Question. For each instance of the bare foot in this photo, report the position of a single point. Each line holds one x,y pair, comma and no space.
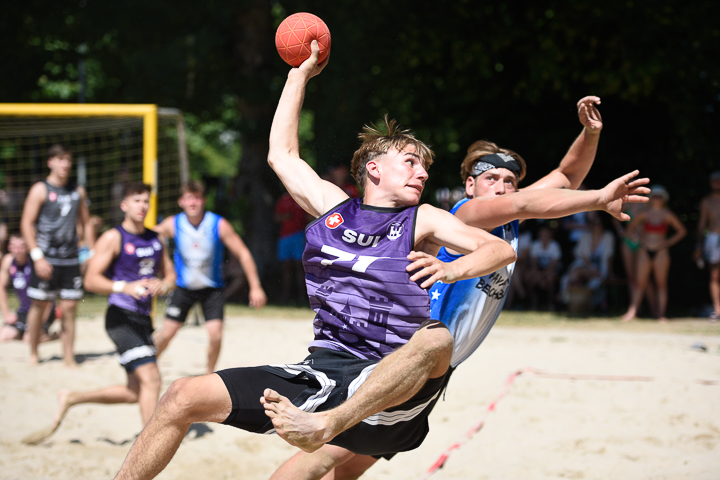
307,431
34,360
629,315
663,320
63,397
71,364
44,337
44,433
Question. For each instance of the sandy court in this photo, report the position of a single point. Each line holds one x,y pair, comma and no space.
663,427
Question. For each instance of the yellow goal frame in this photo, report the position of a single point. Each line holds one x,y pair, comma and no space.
148,112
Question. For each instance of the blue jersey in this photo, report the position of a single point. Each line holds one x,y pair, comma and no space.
199,252
470,307
140,257
355,260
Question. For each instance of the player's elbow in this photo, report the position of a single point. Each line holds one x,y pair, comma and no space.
89,283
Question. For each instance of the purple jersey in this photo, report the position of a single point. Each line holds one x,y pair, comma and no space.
20,276
355,261
139,258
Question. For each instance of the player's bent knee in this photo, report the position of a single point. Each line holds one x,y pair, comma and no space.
177,400
434,336
197,399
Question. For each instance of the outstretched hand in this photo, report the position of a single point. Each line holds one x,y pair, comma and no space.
624,190
310,67
589,114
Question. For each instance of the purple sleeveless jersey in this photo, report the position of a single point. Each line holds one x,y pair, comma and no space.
139,258
20,276
355,261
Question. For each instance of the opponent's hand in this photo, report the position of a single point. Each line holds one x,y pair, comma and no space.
138,289
624,190
258,299
589,114
43,269
310,67
427,265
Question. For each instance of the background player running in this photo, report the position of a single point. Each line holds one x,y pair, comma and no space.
370,294
53,210
200,239
15,270
132,266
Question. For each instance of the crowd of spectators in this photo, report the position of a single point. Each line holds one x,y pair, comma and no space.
569,264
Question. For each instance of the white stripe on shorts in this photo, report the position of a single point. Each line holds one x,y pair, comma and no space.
138,352
68,294
37,294
386,418
313,402
357,383
391,418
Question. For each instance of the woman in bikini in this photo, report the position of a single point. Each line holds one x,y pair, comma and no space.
654,253
629,251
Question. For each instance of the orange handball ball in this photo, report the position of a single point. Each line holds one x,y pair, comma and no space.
296,33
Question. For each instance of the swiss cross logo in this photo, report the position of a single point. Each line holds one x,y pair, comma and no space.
334,221
129,248
13,270
52,196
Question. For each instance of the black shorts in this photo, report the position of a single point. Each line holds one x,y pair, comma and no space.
132,335
323,381
21,324
182,299
66,283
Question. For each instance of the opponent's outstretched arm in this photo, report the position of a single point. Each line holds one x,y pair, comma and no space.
554,203
315,195
576,164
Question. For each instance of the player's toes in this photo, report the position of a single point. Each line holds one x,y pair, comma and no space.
271,395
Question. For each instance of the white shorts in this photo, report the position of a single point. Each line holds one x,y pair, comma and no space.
712,248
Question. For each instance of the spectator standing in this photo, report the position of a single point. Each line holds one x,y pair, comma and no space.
654,252
290,245
629,246
708,251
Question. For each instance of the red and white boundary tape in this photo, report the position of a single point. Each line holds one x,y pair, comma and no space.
440,462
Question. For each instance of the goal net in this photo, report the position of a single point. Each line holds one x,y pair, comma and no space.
111,145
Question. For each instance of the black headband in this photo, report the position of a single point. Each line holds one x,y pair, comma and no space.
495,160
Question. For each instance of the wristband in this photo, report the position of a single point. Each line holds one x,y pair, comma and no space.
118,286
36,254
